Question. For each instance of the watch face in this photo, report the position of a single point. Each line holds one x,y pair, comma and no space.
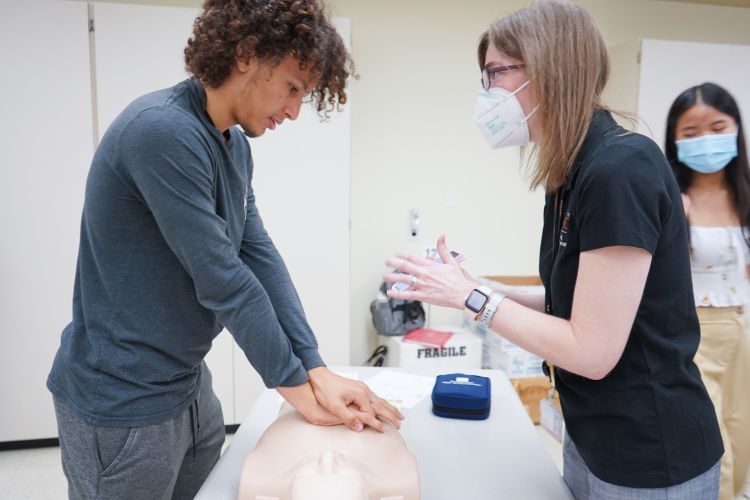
476,301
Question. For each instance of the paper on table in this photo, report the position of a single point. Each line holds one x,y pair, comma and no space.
403,388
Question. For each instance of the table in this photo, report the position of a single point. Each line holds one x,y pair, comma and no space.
498,458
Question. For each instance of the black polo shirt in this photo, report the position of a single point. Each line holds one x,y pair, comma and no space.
649,423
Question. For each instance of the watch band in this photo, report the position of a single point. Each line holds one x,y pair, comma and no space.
485,290
485,318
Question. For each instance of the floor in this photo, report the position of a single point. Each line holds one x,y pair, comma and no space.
37,474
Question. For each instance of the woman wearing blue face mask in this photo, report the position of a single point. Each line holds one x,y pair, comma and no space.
616,322
705,145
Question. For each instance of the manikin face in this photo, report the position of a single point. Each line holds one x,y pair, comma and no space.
702,119
264,95
510,81
330,476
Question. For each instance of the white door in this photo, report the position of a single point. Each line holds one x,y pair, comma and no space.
46,143
139,49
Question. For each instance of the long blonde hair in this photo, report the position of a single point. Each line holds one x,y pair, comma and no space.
567,62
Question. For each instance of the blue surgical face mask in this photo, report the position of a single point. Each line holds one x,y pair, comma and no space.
708,153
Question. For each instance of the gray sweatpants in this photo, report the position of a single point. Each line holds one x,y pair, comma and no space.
162,461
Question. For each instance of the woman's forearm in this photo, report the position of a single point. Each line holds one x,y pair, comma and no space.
549,337
534,301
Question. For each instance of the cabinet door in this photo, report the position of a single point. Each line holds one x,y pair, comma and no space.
45,150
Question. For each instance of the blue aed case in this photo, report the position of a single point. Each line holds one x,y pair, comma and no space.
456,395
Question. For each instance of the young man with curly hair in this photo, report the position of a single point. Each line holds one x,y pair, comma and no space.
173,249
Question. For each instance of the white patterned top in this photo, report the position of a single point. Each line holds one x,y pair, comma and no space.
718,256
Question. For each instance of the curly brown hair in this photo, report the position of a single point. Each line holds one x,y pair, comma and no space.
269,30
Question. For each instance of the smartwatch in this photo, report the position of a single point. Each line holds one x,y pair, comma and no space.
477,299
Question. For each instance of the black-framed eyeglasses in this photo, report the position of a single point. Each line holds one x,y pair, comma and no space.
490,73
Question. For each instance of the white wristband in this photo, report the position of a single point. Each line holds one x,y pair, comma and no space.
485,319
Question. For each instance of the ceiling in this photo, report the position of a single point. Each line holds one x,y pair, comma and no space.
726,3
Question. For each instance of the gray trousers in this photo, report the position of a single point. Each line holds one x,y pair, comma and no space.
585,486
165,461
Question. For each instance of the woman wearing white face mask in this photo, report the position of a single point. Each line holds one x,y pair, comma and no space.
616,322
706,148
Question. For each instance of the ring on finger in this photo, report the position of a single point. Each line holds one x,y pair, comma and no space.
413,282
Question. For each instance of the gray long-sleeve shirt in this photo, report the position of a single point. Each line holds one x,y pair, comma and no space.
172,248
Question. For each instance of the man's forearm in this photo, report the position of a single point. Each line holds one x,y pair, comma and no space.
261,256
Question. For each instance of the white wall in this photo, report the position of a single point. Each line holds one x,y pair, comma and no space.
414,144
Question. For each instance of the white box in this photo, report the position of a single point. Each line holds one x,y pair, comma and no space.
462,351
515,364
502,354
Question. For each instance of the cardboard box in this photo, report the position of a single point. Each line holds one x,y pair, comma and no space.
516,280
462,351
531,391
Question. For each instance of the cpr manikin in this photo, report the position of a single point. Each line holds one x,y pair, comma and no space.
295,460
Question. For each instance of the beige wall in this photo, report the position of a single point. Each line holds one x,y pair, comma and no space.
415,146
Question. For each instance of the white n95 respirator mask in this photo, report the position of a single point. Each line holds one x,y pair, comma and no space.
500,118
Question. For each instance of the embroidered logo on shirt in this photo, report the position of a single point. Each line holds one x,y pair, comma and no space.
564,230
